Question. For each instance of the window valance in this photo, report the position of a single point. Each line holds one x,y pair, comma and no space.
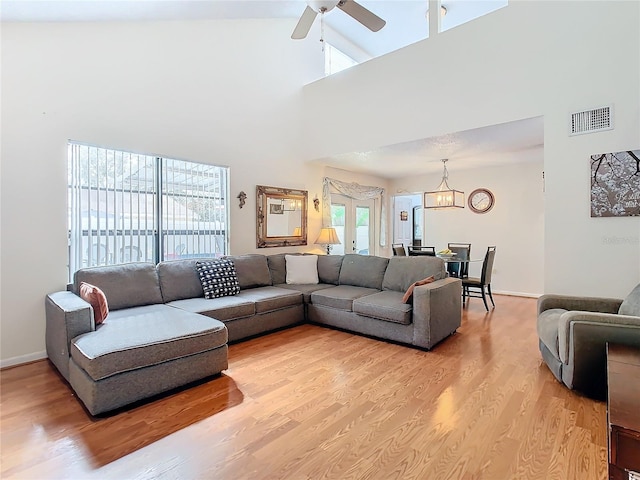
358,192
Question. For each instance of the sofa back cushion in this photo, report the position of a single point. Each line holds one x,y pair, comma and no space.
403,271
631,304
126,285
179,279
363,270
329,268
277,268
252,270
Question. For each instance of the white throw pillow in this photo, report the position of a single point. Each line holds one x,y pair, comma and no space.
301,269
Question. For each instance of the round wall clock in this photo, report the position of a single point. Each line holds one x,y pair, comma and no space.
481,200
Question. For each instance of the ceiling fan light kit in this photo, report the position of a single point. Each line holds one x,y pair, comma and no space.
444,196
350,7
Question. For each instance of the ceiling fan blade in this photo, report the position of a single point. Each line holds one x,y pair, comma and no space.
362,15
304,24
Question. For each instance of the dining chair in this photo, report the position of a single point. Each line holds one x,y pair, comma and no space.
483,283
463,252
428,251
398,249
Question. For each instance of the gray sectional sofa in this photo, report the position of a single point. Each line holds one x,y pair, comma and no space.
161,333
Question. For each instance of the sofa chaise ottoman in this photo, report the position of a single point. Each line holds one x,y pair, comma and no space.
145,347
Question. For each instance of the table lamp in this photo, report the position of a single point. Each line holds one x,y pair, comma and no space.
328,237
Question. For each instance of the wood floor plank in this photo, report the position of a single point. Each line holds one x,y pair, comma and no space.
317,403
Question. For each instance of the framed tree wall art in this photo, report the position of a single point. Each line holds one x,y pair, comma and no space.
615,184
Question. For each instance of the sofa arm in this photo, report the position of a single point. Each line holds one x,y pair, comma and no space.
586,366
584,304
437,311
67,316
567,320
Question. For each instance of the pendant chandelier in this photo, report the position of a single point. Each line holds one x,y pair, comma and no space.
444,196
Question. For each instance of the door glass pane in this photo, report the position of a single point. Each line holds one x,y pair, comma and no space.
417,226
362,231
338,213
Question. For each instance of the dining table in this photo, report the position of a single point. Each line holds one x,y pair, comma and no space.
453,258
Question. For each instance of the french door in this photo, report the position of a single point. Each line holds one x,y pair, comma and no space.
354,223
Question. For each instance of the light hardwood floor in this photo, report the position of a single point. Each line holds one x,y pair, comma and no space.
315,403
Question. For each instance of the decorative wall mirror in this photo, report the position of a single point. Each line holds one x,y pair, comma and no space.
281,217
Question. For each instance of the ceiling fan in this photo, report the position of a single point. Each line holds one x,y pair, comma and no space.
350,7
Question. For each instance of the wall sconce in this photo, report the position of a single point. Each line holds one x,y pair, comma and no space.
404,216
242,197
316,203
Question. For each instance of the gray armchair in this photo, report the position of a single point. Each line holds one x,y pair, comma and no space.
573,333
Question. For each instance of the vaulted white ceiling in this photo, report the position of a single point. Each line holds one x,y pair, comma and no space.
406,21
406,24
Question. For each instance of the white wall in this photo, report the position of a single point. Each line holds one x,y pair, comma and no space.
229,93
220,92
529,59
515,225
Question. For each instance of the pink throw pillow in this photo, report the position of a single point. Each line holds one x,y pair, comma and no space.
96,298
409,293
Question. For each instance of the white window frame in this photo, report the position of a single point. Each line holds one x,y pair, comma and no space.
125,207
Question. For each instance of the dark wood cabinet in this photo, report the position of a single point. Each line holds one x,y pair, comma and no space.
623,411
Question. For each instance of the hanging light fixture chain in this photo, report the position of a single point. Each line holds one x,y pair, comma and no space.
322,10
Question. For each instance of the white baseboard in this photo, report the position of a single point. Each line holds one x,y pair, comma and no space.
31,357
517,294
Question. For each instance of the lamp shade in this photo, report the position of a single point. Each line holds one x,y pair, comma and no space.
328,236
297,232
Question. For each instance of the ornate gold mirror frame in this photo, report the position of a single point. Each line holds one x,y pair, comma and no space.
281,217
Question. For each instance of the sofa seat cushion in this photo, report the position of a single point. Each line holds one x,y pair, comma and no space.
386,305
547,325
143,336
221,308
341,296
306,289
268,299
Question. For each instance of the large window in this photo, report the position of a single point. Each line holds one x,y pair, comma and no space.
126,207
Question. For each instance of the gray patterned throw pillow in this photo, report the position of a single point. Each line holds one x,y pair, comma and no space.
218,278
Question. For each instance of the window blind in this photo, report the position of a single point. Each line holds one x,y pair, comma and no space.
127,207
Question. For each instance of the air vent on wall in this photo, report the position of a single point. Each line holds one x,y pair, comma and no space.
589,121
